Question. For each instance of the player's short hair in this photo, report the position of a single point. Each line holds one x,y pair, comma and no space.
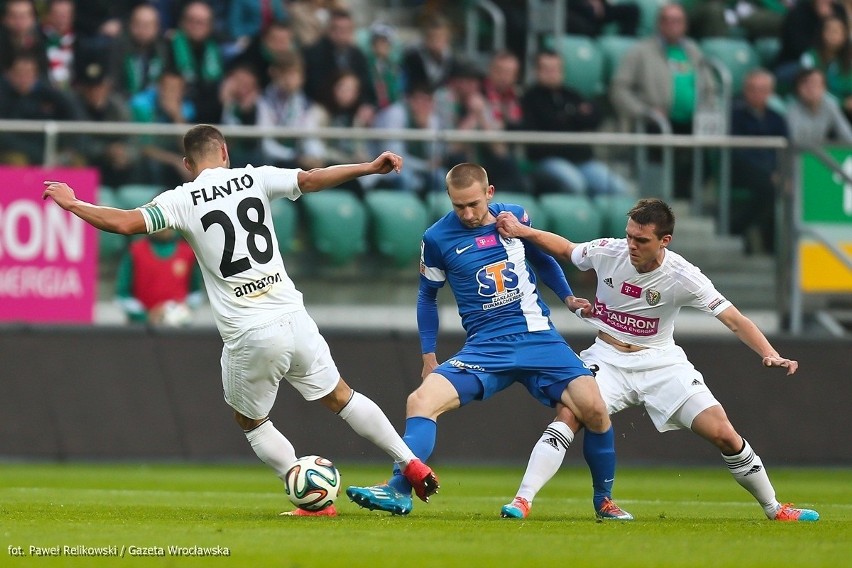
465,175
200,141
654,212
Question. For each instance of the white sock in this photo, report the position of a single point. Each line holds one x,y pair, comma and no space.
748,470
367,419
272,448
545,459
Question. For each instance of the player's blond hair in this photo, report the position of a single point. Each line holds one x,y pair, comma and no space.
464,175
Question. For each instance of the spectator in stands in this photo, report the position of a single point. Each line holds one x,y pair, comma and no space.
158,280
335,52
430,62
93,99
239,96
463,106
755,170
140,54
814,117
57,26
267,48
101,20
548,105
385,70
424,169
588,17
24,95
19,34
501,89
250,18
833,56
284,103
664,77
723,18
168,102
310,19
342,109
800,31
195,55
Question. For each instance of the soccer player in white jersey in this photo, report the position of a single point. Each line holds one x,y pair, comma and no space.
510,338
641,286
224,215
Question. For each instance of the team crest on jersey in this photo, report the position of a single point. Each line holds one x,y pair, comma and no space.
652,297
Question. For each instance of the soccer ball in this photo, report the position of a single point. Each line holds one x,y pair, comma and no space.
312,483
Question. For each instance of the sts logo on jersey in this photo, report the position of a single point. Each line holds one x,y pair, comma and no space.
500,282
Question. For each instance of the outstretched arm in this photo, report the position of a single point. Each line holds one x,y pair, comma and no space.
119,221
551,243
332,176
427,326
751,335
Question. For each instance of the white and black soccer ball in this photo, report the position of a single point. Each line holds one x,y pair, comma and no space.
313,483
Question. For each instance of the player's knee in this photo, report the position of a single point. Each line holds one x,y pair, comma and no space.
596,418
247,423
724,437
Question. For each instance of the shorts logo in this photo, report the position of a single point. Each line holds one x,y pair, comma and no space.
631,290
462,365
652,297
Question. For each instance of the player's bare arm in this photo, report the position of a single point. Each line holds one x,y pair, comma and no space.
430,362
748,332
555,245
321,178
109,219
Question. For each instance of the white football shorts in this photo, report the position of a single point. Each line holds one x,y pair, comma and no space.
289,347
662,380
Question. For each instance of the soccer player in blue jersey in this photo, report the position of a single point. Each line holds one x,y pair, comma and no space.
510,338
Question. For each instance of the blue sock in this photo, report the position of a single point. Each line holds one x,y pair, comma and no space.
420,436
599,451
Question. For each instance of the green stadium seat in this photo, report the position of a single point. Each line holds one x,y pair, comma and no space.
525,200
110,245
337,223
438,203
583,63
397,220
613,49
737,55
285,219
767,49
574,217
614,210
133,195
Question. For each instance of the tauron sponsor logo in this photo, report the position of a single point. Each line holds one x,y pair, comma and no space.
258,285
628,323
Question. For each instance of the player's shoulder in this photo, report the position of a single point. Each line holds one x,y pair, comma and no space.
513,208
604,247
683,270
441,227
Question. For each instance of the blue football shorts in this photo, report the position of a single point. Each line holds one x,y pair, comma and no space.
541,361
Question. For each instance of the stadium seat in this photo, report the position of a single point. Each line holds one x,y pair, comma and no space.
613,49
438,203
337,222
583,63
737,55
528,202
133,195
574,217
397,222
110,245
767,49
285,219
613,209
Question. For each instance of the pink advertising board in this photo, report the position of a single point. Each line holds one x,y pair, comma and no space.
48,257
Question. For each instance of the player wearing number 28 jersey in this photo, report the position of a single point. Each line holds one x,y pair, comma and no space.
224,215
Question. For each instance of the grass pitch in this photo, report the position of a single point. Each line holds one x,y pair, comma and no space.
685,517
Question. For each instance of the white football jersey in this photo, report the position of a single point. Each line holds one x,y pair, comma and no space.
640,308
225,217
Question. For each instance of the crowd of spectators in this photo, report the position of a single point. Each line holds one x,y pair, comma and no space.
305,64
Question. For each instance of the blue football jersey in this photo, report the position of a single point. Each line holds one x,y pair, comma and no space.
495,288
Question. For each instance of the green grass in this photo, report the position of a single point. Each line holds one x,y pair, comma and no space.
685,517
